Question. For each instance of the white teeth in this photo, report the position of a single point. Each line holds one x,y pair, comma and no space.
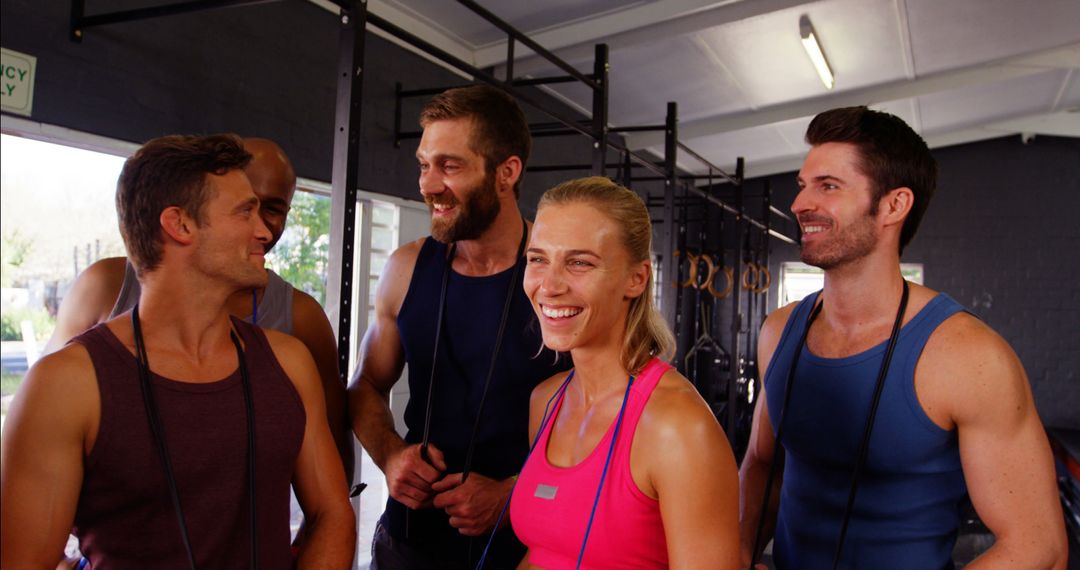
813,229
559,313
442,207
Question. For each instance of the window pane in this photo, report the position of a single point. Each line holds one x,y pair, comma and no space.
383,234
384,215
301,256
797,280
382,239
58,216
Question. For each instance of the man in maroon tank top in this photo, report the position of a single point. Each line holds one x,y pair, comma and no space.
169,437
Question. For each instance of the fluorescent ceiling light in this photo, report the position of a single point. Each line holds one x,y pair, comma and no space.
813,49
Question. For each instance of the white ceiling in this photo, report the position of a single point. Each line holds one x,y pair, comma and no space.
956,70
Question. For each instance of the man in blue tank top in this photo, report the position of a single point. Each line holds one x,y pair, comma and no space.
955,413
440,306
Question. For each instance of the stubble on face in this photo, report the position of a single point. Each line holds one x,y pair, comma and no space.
845,246
476,212
218,260
226,245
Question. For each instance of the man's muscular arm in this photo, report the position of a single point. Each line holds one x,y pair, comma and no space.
89,301
46,434
974,374
319,481
754,470
313,329
382,358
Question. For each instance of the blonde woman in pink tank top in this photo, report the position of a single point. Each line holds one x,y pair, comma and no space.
630,468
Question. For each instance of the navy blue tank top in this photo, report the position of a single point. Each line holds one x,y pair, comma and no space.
906,512
474,306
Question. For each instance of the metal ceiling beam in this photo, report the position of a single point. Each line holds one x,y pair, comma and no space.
1009,68
1063,124
643,24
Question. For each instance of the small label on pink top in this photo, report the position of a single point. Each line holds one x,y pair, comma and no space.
546,491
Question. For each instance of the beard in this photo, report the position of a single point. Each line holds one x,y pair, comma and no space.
845,246
475,213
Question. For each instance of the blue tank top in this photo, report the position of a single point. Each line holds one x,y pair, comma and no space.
474,306
906,513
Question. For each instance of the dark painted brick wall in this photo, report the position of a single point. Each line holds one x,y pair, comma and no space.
266,70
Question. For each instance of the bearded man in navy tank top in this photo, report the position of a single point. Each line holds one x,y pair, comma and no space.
461,286
955,413
168,437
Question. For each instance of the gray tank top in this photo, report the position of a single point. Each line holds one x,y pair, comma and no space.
274,311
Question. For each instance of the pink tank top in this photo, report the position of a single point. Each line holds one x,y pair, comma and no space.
550,506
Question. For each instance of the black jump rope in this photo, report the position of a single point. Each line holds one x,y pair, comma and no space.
467,467
864,445
440,317
157,429
603,473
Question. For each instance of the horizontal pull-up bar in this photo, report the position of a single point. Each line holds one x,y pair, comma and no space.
732,210
516,83
782,237
637,129
530,43
637,157
424,92
739,215
555,133
712,167
781,213
563,167
534,127
547,80
80,21
475,72
407,135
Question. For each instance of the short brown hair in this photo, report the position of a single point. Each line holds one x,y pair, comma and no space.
892,156
647,334
165,172
500,130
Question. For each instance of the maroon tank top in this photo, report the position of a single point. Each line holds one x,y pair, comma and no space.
125,518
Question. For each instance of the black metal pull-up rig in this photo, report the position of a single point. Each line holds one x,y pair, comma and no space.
353,19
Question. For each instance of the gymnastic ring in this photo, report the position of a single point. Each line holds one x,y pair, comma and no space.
730,274
692,278
755,282
751,284
711,271
765,279
749,276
